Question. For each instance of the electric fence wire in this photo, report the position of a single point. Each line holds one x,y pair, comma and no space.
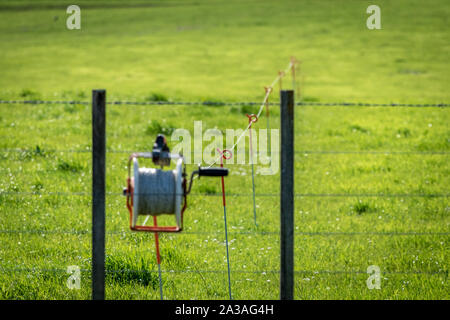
263,104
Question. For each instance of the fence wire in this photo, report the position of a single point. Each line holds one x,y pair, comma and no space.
256,272
301,152
231,194
239,233
231,104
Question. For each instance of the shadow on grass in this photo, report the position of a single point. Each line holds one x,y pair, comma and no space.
125,270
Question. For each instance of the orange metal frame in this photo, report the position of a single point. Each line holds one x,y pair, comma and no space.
155,227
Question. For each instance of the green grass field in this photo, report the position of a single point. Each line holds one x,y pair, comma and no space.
227,51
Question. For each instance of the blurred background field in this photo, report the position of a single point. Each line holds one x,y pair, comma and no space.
226,49
371,182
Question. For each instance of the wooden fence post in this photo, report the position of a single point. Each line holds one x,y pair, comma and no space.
98,193
287,195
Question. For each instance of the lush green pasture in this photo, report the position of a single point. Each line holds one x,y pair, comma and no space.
365,207
227,49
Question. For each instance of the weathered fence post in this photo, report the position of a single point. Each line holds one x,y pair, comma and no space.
98,194
287,195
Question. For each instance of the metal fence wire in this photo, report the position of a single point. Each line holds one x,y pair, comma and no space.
229,104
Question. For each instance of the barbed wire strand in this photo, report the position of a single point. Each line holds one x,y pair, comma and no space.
260,272
303,152
216,194
234,233
231,104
